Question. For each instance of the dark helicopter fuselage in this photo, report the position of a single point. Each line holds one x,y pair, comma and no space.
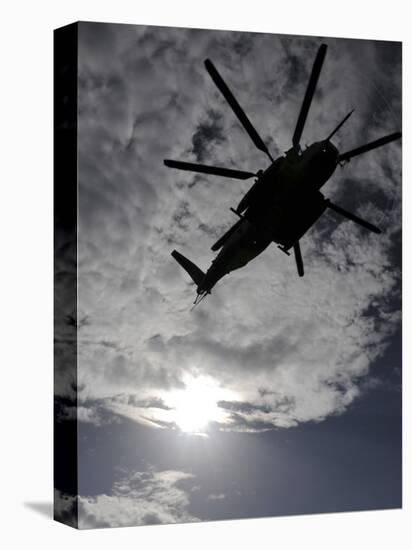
280,207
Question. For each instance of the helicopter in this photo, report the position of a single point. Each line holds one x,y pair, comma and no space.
284,201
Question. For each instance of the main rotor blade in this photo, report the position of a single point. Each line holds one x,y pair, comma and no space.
298,258
339,126
372,145
202,168
310,90
352,217
237,109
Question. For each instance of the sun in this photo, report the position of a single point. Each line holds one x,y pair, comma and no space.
196,406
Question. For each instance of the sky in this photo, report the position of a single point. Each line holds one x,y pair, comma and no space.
277,395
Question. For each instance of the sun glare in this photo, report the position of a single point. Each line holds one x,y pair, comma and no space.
197,405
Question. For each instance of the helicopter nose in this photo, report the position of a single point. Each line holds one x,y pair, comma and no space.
330,150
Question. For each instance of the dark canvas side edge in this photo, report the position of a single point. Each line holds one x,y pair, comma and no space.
65,67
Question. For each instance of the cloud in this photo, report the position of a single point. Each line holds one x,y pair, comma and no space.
291,350
65,508
89,415
207,133
219,496
139,498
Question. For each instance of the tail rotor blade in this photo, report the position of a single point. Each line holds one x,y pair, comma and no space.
369,146
352,217
237,109
298,258
310,90
203,169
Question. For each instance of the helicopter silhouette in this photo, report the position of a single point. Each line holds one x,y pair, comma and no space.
285,199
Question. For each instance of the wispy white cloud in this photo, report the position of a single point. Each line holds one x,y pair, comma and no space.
139,498
217,496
